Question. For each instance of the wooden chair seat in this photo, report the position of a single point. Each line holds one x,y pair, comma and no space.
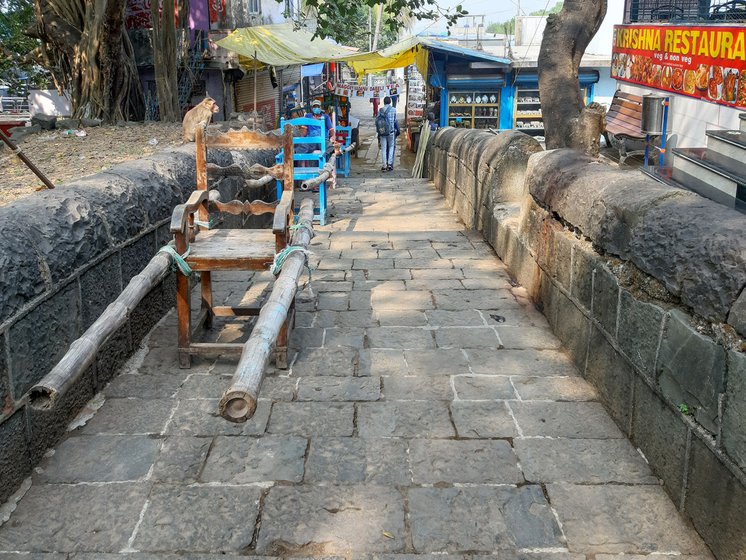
232,249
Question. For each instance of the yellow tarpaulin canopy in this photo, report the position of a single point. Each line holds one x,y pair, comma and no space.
415,50
402,54
280,45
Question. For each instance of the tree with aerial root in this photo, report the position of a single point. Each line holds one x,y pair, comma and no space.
568,123
85,47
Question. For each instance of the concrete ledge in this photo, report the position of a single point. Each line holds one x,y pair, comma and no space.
644,286
68,253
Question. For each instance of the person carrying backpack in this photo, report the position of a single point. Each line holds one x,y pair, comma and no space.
387,128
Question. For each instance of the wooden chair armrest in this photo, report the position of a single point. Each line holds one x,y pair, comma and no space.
180,215
282,212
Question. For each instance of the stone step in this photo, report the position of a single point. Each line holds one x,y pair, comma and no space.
714,163
728,146
688,174
682,180
742,116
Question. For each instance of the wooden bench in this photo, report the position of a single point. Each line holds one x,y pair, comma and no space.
623,125
205,250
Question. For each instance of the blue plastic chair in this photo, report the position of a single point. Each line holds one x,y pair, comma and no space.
343,162
317,159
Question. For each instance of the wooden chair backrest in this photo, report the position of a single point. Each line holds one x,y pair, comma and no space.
243,139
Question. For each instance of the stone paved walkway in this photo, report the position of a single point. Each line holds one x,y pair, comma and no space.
429,410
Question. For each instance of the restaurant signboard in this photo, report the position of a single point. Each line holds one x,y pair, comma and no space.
706,62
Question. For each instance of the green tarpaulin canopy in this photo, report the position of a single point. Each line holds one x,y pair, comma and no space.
280,45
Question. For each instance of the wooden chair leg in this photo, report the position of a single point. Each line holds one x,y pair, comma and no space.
183,311
206,287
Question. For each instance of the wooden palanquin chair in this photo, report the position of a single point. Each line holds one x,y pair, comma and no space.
205,250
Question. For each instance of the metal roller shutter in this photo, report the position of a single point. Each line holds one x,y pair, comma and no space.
266,95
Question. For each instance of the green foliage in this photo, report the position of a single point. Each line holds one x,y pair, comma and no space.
502,27
353,29
16,17
508,27
553,10
343,20
685,409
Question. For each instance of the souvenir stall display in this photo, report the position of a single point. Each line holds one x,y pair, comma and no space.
415,105
474,109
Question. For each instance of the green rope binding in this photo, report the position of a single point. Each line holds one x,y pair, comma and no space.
208,225
283,255
178,261
303,225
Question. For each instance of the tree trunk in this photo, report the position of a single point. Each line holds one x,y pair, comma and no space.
567,122
164,59
85,47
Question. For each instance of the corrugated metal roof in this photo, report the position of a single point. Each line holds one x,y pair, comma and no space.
463,51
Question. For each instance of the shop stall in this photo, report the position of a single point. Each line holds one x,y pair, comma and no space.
525,99
469,86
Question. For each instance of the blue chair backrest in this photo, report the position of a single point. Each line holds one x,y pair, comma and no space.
316,133
347,136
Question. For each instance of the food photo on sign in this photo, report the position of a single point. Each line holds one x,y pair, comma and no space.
701,62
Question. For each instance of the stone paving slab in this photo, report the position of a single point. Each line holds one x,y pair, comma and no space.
589,461
481,519
69,518
381,461
483,420
428,412
339,389
634,519
312,419
199,519
181,459
321,520
243,460
123,416
404,419
100,458
483,387
452,462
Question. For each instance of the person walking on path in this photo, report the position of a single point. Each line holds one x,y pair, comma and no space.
387,129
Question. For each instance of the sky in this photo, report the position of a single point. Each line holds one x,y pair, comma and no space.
493,10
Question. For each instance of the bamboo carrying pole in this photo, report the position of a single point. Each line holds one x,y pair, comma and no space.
13,146
239,400
82,352
250,183
325,173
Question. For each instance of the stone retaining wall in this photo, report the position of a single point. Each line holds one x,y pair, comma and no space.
644,285
65,255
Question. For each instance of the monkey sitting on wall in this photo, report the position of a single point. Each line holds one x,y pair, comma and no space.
197,117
